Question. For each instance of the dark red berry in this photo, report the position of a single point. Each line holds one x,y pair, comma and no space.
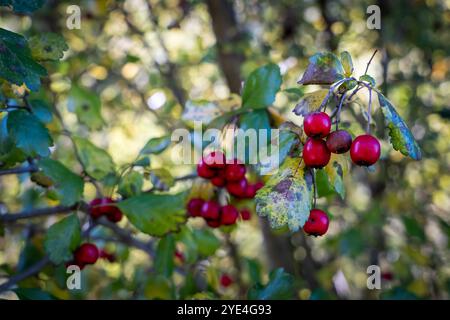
210,210
250,191
215,159
388,276
204,171
228,215
339,141
179,256
213,223
235,172
225,280
246,214
218,181
317,223
259,185
237,188
74,263
194,207
316,153
107,256
100,206
317,124
114,215
87,253
365,150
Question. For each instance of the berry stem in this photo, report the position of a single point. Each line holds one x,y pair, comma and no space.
370,61
315,187
338,114
369,110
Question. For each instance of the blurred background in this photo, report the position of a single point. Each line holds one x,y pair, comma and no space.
138,63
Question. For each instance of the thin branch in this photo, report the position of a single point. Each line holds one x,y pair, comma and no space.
40,212
19,170
370,61
369,110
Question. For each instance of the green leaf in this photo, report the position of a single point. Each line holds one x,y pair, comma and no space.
98,162
131,184
41,110
48,46
207,242
86,105
161,179
324,188
347,63
28,133
298,92
33,294
310,102
164,261
261,87
156,145
279,287
335,174
23,6
28,257
286,197
9,153
369,79
62,239
254,120
323,68
158,287
16,64
142,162
68,185
155,214
401,138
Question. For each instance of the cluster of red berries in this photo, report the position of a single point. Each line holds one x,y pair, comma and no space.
214,214
87,254
228,175
364,150
103,207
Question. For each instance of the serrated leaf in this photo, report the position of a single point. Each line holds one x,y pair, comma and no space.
261,87
161,179
286,197
401,138
310,102
131,184
155,214
16,64
67,184
23,6
9,153
207,242
347,63
86,105
323,68
62,239
165,251
279,287
97,162
156,145
335,173
28,133
369,79
41,110
48,46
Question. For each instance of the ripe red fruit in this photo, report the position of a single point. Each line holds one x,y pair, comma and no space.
213,223
74,263
250,191
204,171
114,215
225,280
179,256
259,185
235,172
237,188
317,124
317,223
339,141
228,215
245,214
100,206
215,159
87,253
194,207
107,256
316,153
365,150
210,210
219,179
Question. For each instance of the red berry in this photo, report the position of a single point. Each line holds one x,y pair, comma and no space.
339,141
204,171
365,150
250,191
317,124
179,256
388,276
107,256
87,253
316,153
219,180
317,224
235,172
225,280
210,210
100,206
194,207
237,188
228,215
245,214
213,223
215,159
114,215
259,185
74,263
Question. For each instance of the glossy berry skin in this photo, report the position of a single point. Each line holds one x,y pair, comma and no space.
215,159
237,188
259,185
213,223
317,124
317,223
228,215
316,153
219,180
235,172
225,280
245,214
250,191
194,207
365,150
210,210
100,206
339,141
204,171
114,215
87,253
